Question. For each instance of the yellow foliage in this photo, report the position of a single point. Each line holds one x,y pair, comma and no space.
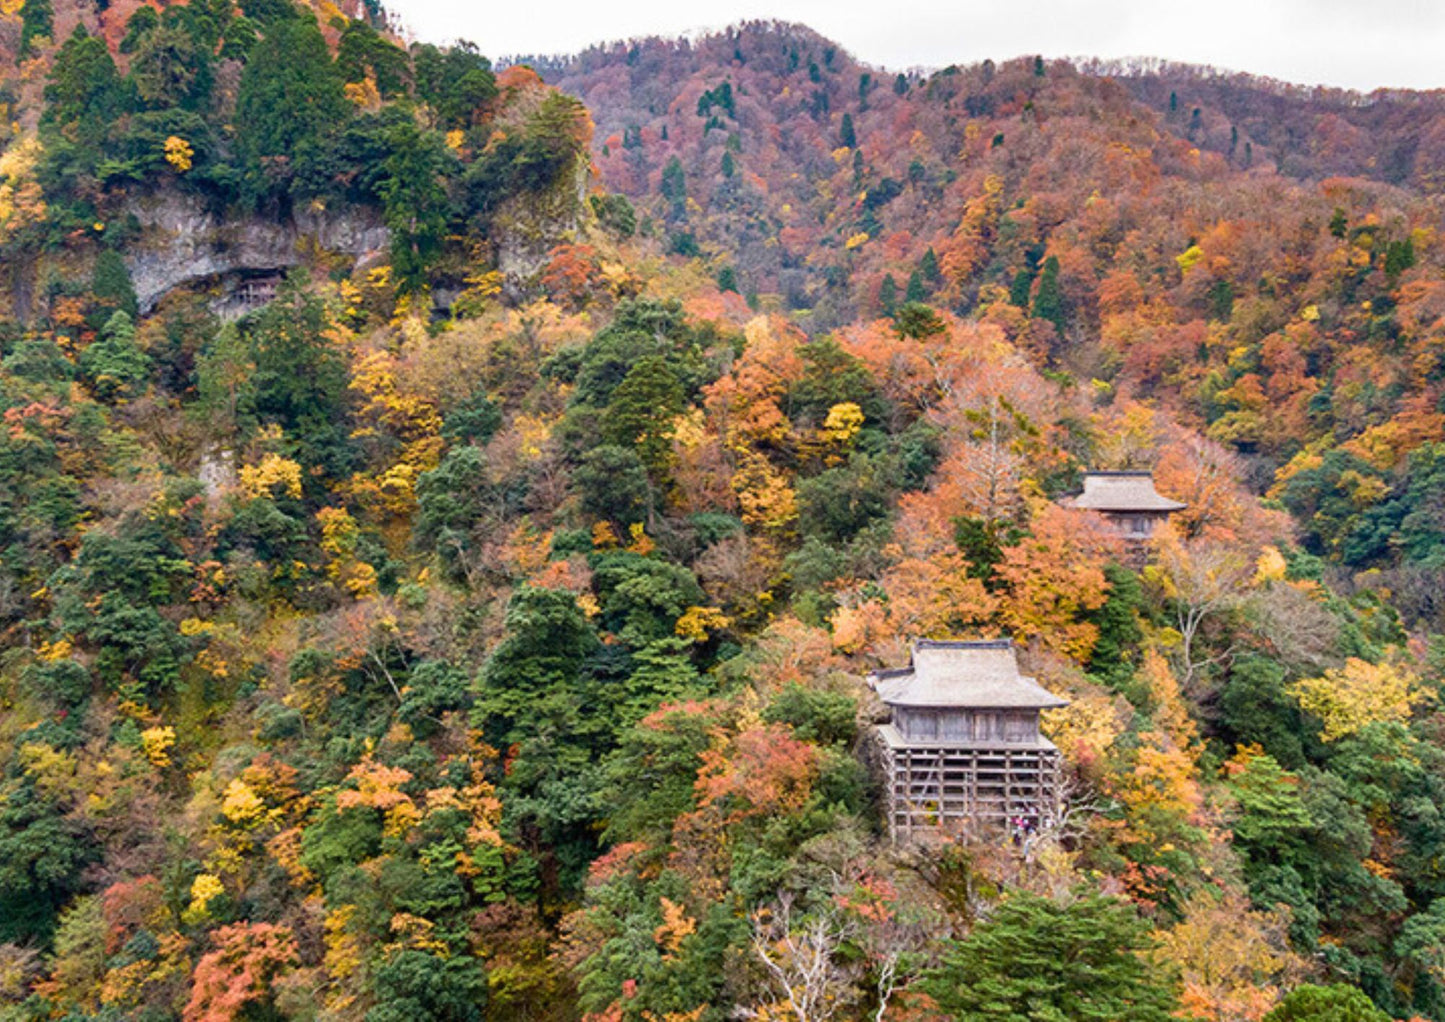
241,805
52,769
1189,257
206,888
1170,713
676,926
60,649
1352,697
1270,566
1085,728
262,479
697,622
689,430
640,543
763,493
364,94
344,950
156,743
843,422
861,238
339,535
179,154
1232,960
21,200
532,433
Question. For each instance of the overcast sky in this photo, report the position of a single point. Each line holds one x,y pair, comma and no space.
1354,43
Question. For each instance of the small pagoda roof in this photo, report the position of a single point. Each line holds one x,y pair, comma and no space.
979,675
1122,492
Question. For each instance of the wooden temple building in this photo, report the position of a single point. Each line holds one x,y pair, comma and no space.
1128,501
963,746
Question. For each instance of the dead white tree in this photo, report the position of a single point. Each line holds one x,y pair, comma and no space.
1203,580
802,960
1064,821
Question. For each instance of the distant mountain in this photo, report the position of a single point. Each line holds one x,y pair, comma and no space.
770,149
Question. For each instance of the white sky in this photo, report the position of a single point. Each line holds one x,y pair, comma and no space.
1354,43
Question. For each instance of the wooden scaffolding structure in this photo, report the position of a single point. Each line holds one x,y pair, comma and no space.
931,785
963,747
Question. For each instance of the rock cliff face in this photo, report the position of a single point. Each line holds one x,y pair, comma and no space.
525,228
184,242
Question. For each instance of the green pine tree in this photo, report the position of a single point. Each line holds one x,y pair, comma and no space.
1339,223
929,265
290,94
888,295
1049,298
674,189
37,21
1037,961
642,411
915,291
114,365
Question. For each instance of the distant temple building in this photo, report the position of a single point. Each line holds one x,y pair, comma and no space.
963,745
1127,500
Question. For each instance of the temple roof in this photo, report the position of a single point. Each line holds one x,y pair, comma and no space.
1122,491
981,675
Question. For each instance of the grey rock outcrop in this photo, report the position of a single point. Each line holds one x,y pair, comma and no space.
184,242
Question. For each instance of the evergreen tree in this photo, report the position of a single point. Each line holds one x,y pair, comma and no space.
37,21
1036,961
1399,257
415,201
888,295
1339,223
363,51
900,85
301,378
728,169
918,321
85,95
453,82
1020,288
114,365
929,265
170,70
1334,1003
290,96
915,291
674,189
1049,298
111,284
641,412
141,23
846,135
1221,300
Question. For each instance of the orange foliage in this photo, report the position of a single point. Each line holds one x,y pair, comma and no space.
1055,575
241,970
761,771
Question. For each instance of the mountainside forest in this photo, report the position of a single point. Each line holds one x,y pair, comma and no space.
448,513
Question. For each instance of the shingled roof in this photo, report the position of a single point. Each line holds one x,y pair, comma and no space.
1122,491
963,674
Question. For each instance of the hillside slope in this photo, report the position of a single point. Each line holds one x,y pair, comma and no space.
436,587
